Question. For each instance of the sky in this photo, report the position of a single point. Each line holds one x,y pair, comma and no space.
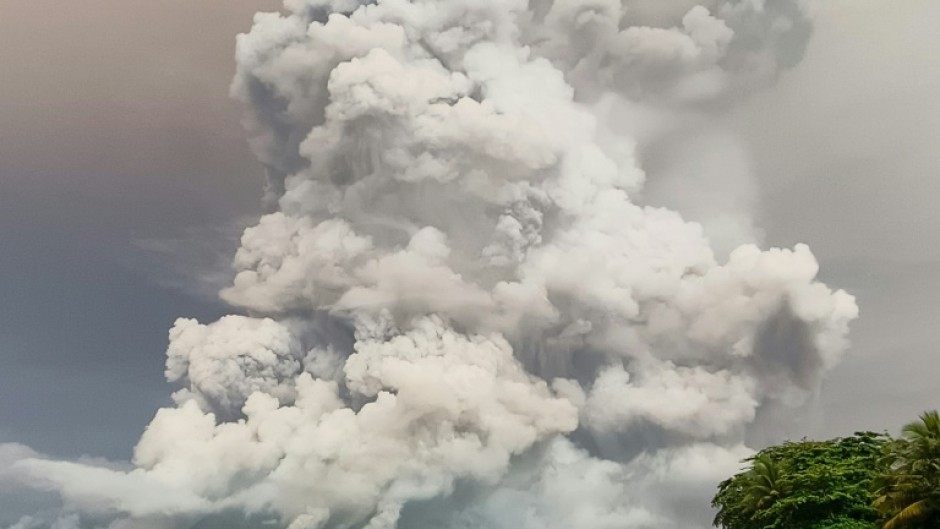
117,129
125,173
854,173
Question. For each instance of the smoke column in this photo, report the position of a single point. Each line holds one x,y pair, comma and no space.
508,277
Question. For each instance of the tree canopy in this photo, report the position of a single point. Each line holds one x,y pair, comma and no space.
866,481
805,485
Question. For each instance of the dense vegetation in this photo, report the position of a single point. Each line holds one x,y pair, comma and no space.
866,481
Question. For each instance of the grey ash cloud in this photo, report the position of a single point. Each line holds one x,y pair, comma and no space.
486,290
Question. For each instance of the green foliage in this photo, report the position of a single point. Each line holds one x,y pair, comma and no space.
805,485
908,489
845,523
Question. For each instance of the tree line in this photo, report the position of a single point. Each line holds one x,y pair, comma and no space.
865,481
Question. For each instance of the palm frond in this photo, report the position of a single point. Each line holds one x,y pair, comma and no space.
911,514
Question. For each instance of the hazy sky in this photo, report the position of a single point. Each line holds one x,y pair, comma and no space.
115,127
119,148
847,153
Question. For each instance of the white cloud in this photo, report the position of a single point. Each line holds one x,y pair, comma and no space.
454,196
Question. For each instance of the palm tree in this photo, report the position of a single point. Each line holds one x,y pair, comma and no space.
908,493
763,484
743,500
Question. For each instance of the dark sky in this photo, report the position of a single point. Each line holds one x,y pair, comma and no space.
122,160
115,130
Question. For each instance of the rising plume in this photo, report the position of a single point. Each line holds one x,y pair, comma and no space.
492,288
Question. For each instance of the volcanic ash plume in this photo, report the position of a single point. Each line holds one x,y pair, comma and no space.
462,309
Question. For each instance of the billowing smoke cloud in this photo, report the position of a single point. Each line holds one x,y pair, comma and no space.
461,309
